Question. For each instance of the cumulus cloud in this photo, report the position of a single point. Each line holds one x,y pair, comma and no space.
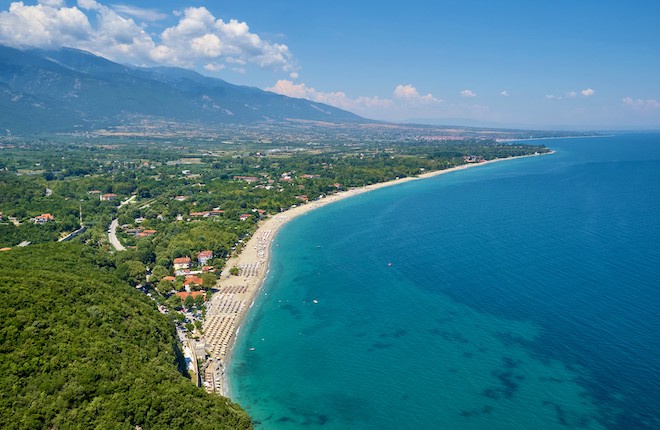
641,105
504,93
572,94
139,13
199,39
52,3
405,105
45,25
338,99
410,94
468,93
406,98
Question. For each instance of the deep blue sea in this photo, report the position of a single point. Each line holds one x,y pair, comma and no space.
523,294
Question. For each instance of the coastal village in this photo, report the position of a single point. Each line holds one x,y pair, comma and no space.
209,254
207,346
212,305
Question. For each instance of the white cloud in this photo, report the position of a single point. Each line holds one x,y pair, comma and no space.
197,40
584,93
406,97
406,103
410,94
52,3
338,99
42,25
468,93
212,67
641,105
288,88
139,13
504,93
572,94
588,92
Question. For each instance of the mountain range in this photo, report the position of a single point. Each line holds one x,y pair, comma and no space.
69,89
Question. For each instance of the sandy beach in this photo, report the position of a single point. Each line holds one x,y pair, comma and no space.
236,293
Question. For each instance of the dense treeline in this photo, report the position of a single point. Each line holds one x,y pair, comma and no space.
170,184
82,349
166,198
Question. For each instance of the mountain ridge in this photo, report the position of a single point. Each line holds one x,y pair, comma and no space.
69,89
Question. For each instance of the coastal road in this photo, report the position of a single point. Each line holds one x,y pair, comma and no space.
112,236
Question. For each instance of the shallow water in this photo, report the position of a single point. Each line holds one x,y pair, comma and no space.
516,295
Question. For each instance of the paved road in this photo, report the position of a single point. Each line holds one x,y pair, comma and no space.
112,236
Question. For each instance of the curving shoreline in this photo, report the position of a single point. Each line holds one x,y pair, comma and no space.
227,309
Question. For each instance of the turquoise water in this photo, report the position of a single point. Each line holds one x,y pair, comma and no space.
517,295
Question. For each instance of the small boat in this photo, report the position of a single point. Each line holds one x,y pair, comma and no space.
315,301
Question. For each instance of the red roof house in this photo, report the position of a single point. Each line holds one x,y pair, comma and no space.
183,294
43,218
181,264
204,256
192,280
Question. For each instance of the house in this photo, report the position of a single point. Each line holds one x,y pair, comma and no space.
248,179
245,217
108,197
168,278
473,159
184,294
146,233
43,218
207,214
204,256
181,264
181,198
192,280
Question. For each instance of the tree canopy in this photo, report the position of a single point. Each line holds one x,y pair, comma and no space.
82,349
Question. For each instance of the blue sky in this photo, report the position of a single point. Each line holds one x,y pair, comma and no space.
561,64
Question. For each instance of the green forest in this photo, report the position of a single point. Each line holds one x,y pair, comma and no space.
81,349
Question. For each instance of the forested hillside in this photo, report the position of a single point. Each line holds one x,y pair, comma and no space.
82,349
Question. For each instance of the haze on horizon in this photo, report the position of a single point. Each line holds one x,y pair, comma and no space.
584,65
